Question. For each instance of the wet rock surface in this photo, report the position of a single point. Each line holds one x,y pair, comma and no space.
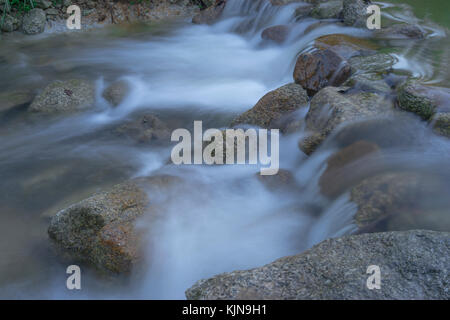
65,97
101,229
321,68
414,265
273,105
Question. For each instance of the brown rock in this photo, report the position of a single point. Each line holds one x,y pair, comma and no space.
276,34
319,69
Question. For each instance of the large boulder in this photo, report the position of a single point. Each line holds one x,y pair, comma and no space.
101,229
413,265
65,97
423,100
273,105
34,21
320,68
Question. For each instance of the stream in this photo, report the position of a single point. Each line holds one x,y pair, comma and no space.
183,72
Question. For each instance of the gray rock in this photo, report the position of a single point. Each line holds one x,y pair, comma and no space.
116,92
101,229
354,12
376,63
413,265
273,105
441,123
370,82
65,97
10,23
327,10
146,128
401,31
34,21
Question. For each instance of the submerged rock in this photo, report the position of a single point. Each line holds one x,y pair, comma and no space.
377,63
413,265
345,45
101,229
276,34
401,31
116,92
400,201
146,128
34,21
342,167
273,105
333,106
320,68
64,97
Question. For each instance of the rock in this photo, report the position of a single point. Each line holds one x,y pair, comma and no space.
284,179
369,82
12,99
327,10
310,143
354,12
303,11
423,100
331,107
34,21
276,34
389,197
43,4
401,31
101,229
320,68
345,45
273,105
441,123
209,15
413,265
52,12
146,128
377,63
65,97
343,166
116,92
10,23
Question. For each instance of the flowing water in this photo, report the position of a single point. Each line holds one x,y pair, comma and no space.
183,72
